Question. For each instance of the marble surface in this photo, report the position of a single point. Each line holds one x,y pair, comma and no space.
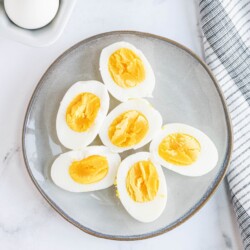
26,220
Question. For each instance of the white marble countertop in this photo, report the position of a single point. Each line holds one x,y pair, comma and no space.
26,220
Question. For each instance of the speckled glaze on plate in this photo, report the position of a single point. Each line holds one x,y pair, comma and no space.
185,91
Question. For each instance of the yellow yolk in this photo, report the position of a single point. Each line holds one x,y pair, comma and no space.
179,149
126,68
128,129
142,181
89,170
82,111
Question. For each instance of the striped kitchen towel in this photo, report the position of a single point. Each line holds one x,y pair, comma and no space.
226,37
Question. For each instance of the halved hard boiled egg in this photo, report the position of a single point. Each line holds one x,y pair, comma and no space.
141,187
126,72
81,114
184,149
90,169
130,125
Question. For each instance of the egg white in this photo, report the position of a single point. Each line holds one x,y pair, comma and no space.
60,169
153,116
144,89
145,211
208,156
78,140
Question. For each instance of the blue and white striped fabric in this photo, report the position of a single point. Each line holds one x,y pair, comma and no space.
226,36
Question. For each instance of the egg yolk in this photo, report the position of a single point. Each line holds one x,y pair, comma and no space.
179,149
142,181
128,129
126,68
82,111
89,170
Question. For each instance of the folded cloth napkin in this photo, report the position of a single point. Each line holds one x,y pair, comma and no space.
225,25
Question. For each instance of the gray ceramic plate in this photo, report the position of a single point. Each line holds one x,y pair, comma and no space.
185,92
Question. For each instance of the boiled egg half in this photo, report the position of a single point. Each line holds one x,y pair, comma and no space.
184,149
126,72
81,114
141,187
90,169
130,125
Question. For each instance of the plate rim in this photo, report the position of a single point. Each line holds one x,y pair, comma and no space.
195,208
